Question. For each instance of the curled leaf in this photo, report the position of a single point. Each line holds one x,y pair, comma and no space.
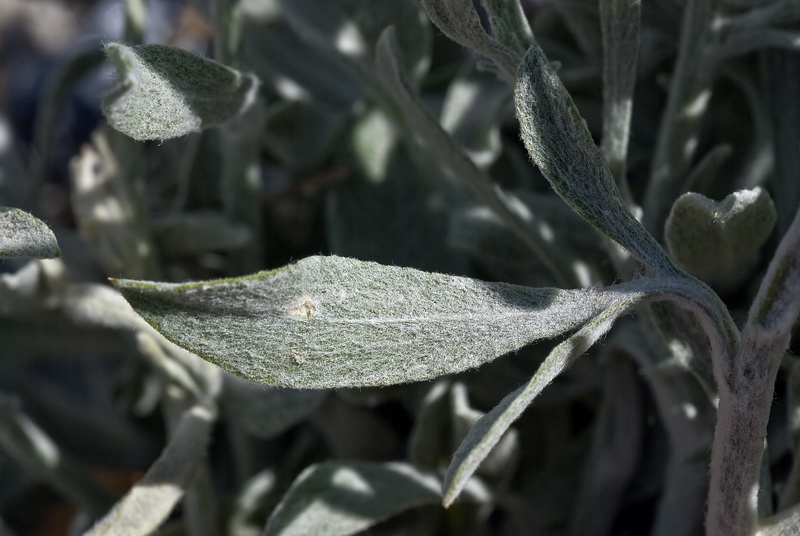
165,92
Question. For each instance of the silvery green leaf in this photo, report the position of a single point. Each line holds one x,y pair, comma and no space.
165,92
718,242
335,322
776,306
342,498
784,523
151,500
25,236
561,146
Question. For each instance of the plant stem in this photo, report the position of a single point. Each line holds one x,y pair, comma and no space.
736,463
746,394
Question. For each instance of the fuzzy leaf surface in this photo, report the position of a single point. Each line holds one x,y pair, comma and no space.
559,142
165,92
25,236
329,322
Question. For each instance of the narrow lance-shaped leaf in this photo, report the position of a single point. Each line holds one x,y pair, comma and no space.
24,236
165,92
330,322
338,498
561,146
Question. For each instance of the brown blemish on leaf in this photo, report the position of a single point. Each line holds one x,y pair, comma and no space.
307,309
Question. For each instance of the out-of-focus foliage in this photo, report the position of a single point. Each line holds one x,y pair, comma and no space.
448,181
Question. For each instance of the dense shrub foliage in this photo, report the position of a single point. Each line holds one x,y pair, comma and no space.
402,267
